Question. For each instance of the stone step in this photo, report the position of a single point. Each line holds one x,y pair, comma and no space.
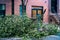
55,18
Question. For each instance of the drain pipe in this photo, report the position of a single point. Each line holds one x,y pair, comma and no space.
12,7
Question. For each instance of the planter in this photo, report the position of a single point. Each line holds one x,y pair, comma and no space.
10,38
18,39
58,34
51,37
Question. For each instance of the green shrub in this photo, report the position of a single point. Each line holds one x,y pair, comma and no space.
51,28
11,26
16,26
43,30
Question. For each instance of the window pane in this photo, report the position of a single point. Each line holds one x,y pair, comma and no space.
34,13
20,10
54,6
2,7
39,11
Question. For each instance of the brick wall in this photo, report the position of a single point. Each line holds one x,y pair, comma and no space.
43,3
8,6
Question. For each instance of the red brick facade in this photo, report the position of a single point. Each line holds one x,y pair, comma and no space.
45,3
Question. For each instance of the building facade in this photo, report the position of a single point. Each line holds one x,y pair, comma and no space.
33,7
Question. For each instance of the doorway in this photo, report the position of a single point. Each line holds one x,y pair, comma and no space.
37,10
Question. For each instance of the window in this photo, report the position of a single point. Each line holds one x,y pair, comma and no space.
22,9
34,13
54,6
2,9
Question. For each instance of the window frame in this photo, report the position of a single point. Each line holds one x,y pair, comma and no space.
4,9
